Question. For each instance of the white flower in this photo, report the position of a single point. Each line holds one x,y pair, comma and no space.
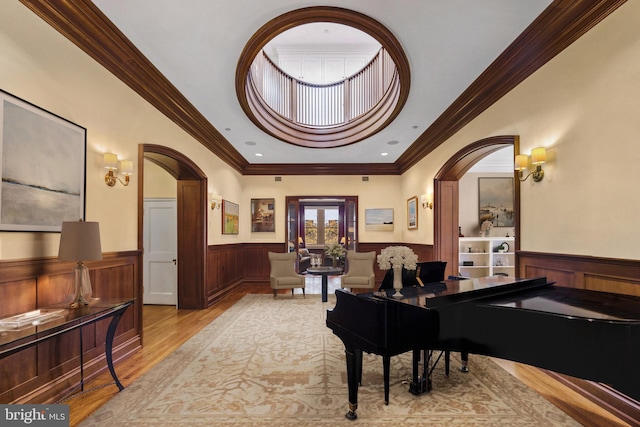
393,256
335,250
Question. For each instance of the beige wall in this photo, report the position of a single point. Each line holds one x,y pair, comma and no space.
41,66
582,106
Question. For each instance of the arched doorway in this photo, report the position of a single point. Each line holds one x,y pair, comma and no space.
445,185
192,220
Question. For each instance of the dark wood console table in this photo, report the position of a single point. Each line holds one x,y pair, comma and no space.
29,329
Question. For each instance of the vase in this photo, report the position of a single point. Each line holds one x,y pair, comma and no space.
397,281
336,262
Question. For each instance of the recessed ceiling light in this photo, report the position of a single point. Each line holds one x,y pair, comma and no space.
258,154
384,154
393,142
250,143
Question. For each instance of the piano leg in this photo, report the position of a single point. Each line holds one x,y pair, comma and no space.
386,367
464,357
447,362
420,384
354,376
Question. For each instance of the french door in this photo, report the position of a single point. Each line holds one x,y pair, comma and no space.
315,221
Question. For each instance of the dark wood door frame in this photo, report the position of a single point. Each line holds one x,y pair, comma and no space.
445,190
192,220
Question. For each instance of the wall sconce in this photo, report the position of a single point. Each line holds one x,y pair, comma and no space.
110,162
538,157
216,201
426,201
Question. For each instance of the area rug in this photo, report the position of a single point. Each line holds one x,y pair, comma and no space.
274,362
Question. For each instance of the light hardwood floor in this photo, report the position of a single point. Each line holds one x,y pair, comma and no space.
166,328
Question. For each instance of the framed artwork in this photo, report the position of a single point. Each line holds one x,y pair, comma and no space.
230,217
495,201
43,159
262,215
412,213
378,219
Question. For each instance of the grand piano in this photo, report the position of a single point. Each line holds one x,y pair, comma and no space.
586,334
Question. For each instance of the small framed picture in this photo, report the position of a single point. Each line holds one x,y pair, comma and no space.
262,215
378,219
412,213
495,201
230,217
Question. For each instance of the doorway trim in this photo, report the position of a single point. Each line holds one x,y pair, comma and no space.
192,220
446,196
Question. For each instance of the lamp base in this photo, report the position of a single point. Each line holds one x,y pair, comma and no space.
82,286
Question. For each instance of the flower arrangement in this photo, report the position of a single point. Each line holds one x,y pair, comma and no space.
335,250
486,227
397,256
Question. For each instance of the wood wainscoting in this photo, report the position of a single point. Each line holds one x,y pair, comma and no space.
597,274
583,272
50,370
230,265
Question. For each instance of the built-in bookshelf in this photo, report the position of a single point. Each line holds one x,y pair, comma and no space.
486,256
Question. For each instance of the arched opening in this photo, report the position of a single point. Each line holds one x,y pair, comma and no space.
191,219
446,195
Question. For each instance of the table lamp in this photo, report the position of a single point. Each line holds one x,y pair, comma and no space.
80,241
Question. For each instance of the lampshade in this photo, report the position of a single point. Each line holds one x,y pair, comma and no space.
80,241
521,162
538,156
126,167
110,161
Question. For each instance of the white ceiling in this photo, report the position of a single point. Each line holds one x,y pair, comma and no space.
196,44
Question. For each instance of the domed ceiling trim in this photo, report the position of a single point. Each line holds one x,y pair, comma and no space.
378,117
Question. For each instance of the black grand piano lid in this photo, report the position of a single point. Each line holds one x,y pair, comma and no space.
571,302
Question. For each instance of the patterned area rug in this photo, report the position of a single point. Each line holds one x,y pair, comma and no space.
268,362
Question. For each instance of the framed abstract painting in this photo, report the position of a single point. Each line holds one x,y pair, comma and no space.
230,217
42,168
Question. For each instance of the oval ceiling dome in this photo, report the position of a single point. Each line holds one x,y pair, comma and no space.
322,77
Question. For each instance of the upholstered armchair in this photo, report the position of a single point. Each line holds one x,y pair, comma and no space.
360,272
283,273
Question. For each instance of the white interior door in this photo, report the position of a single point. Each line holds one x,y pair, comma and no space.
160,248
